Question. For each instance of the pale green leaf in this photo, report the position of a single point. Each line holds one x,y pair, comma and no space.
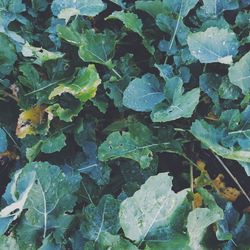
239,73
142,94
213,45
54,143
150,210
85,7
3,141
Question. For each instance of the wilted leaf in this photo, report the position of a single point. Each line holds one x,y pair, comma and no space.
83,87
29,120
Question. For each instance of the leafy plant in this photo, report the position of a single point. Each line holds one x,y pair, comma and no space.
109,111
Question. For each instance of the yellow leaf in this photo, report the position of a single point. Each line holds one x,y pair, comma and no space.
29,120
197,200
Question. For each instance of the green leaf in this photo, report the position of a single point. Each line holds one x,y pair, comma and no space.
50,197
152,209
203,217
177,242
123,145
178,104
101,218
153,8
132,22
69,34
3,141
83,87
114,242
215,8
41,55
85,7
213,45
142,94
212,138
180,7
239,73
7,55
8,242
54,143
98,47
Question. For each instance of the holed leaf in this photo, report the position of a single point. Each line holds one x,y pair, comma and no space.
152,209
83,87
101,218
178,104
213,45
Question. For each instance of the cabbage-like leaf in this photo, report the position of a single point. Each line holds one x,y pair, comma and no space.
178,105
213,45
98,47
7,55
152,210
46,197
42,55
83,87
215,8
54,143
239,73
200,218
85,7
212,138
132,22
101,218
142,94
8,242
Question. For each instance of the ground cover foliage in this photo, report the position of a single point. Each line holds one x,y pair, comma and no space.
114,116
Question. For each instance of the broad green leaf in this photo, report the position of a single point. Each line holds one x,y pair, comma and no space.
216,7
123,145
3,141
41,55
178,242
239,73
13,6
98,47
7,55
32,152
50,197
85,7
86,162
152,210
54,143
180,7
49,244
114,242
132,22
178,105
212,138
200,218
153,8
176,28
8,242
101,218
69,34
142,94
213,45
83,87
